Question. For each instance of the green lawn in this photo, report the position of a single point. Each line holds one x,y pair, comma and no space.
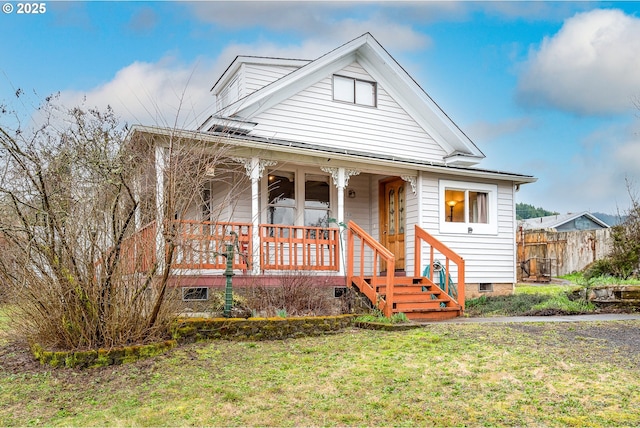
540,299
440,375
545,289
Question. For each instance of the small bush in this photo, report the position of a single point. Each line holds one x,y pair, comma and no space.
563,304
217,300
599,268
296,295
377,317
515,304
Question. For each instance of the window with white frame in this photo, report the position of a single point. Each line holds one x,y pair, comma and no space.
316,200
297,198
468,207
282,198
355,91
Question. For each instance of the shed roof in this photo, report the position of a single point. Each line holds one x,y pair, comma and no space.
557,220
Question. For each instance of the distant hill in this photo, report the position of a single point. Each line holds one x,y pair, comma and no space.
610,219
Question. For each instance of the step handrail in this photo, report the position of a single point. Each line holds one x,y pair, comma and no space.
379,251
451,256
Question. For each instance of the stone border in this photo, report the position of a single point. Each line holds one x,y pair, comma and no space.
275,328
371,325
101,357
192,329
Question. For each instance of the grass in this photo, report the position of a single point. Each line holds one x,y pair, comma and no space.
578,279
542,298
378,317
440,375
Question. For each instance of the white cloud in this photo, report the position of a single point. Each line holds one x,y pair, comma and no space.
164,93
316,20
593,178
591,66
485,132
170,92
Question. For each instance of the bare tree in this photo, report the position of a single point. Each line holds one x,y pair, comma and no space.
76,194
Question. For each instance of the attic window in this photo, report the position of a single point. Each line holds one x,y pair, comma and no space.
354,91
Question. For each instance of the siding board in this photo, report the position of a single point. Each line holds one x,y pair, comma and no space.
313,117
489,258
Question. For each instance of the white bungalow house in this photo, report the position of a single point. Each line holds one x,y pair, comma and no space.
356,176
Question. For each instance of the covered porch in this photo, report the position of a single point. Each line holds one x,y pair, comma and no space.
293,211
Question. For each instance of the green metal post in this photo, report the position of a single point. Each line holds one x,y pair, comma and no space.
228,290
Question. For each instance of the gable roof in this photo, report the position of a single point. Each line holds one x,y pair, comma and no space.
554,221
384,69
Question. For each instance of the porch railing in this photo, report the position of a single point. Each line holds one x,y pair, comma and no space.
299,247
138,251
450,258
202,243
374,255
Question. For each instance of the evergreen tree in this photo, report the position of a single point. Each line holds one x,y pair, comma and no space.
524,211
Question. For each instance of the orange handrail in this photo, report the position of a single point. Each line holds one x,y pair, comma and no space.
284,247
201,244
450,257
379,252
138,250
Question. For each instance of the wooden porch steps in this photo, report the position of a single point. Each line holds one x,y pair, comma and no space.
417,297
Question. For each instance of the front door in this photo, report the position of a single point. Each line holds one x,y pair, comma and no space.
392,218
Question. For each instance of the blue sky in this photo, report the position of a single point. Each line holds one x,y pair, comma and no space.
543,88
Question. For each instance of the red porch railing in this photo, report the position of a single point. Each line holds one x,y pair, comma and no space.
139,251
372,256
201,243
450,257
299,247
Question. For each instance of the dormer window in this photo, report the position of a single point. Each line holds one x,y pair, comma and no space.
354,91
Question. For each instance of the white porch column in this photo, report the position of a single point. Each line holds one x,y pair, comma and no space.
136,194
341,177
160,164
409,243
255,215
255,170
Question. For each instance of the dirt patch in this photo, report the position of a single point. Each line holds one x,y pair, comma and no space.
15,358
550,312
616,340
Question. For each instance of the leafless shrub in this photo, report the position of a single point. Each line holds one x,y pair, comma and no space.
297,294
73,260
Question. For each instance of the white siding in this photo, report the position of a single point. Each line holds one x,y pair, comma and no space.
488,258
232,92
258,76
230,205
358,208
410,230
248,79
312,116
